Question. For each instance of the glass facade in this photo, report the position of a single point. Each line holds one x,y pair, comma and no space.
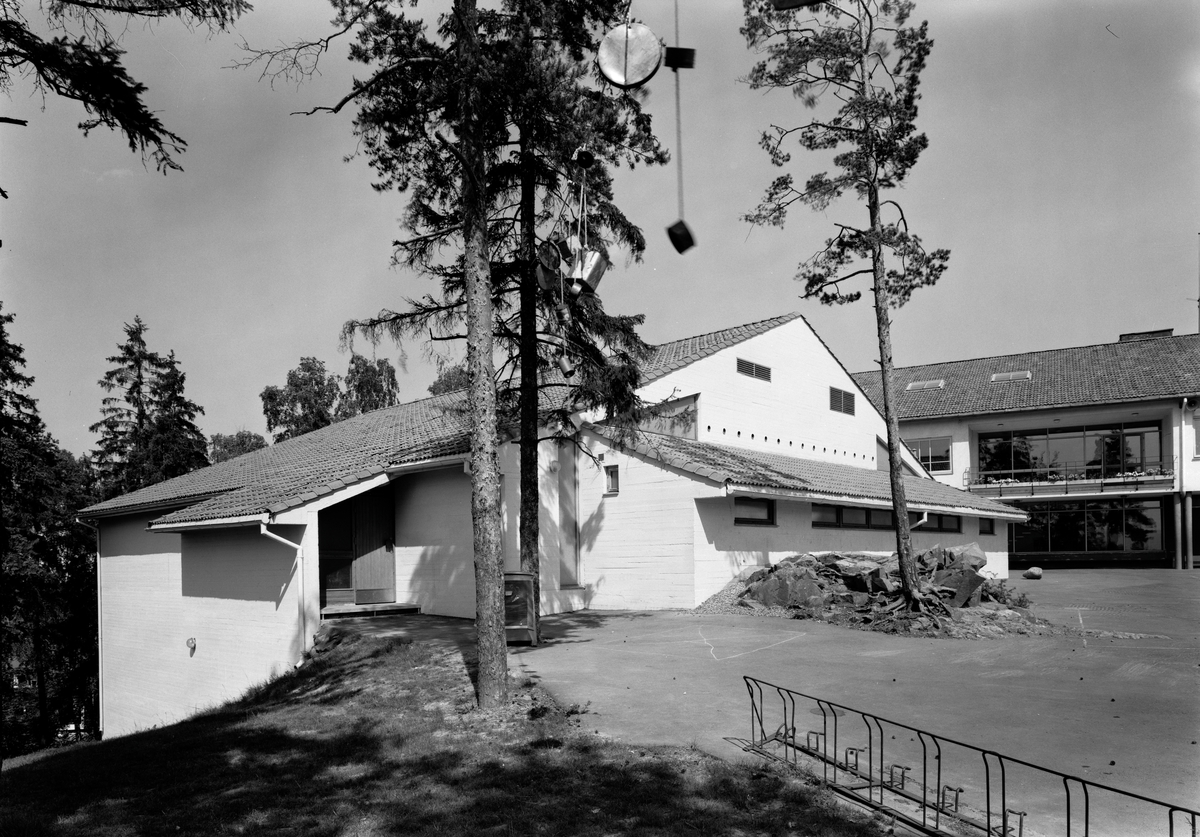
1072,453
1118,525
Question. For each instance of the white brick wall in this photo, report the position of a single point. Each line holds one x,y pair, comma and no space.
232,590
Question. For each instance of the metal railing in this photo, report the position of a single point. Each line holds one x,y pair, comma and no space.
928,781
1070,477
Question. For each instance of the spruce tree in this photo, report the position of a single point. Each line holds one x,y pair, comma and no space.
122,455
177,445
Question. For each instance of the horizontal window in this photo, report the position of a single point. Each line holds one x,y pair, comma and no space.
753,511
852,517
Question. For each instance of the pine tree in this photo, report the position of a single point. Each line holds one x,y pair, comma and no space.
561,121
864,54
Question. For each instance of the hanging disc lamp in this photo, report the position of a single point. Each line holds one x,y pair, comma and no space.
629,55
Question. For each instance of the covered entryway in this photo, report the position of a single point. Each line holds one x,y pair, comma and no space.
357,550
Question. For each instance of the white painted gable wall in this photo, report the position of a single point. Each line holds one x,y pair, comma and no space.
788,415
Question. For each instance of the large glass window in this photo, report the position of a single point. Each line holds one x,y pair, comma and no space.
1072,453
934,454
1120,525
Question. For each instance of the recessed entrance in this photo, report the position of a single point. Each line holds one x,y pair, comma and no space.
357,554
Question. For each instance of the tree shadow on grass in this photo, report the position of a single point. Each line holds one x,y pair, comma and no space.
356,748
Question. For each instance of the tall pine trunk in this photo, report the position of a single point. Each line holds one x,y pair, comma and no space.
530,490
909,582
492,682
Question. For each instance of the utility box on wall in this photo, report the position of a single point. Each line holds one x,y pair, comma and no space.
520,609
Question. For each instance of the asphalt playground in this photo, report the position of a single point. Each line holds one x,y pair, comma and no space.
1116,710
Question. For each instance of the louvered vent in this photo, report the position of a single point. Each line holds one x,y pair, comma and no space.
1023,375
763,373
918,386
841,401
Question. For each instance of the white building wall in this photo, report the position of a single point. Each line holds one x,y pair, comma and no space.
232,590
635,545
962,446
724,549
787,415
435,563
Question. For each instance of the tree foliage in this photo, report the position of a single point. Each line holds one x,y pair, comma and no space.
307,402
370,385
223,447
147,427
83,60
450,379
313,397
867,58
47,600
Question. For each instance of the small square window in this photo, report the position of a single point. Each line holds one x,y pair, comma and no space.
753,511
987,526
612,479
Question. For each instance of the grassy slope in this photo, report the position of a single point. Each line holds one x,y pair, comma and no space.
381,737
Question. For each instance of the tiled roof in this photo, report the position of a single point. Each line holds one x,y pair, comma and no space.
737,466
1109,373
679,353
294,472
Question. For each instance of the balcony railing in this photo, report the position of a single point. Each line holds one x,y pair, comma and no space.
1073,478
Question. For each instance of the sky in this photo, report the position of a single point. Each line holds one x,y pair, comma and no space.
1063,174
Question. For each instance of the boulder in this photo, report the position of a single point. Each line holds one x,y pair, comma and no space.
962,580
800,590
757,576
1032,572
967,555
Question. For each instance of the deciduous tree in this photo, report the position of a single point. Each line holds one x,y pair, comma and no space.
370,385
867,58
223,447
307,402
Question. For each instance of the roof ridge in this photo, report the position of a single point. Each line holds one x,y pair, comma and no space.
1034,352
781,318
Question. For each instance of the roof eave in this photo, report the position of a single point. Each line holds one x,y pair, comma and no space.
205,525
868,502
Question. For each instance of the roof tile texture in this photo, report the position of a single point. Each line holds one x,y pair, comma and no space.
1109,373
751,468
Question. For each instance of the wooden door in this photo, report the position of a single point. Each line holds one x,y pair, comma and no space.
374,520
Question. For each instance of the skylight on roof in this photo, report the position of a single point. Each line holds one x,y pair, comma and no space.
1023,375
917,386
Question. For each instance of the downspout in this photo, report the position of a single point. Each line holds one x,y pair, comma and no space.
924,519
99,634
1181,496
1188,534
263,530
